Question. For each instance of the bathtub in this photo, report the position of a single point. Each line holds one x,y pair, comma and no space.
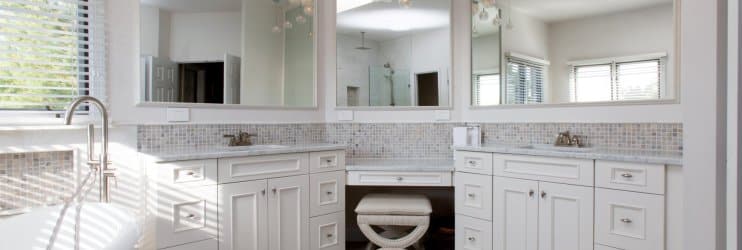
102,226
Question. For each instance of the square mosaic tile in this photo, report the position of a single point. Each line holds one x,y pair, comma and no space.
35,178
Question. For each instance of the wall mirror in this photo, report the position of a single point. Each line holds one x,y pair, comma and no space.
393,53
573,52
238,52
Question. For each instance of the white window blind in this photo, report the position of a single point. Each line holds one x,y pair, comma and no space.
51,51
525,81
486,89
618,81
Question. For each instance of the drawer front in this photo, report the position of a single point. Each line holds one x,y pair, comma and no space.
186,215
327,232
473,234
412,179
551,169
327,193
629,220
187,173
326,161
474,162
210,244
647,178
474,195
261,167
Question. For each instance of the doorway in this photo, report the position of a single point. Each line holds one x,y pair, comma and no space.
427,89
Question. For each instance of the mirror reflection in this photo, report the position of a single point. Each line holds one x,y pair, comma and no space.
393,53
249,52
577,51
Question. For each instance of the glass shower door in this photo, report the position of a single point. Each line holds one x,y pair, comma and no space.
389,87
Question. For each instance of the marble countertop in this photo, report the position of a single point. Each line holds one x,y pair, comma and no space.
403,165
624,155
213,152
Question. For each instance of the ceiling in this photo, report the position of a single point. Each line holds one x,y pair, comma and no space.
385,19
195,5
560,10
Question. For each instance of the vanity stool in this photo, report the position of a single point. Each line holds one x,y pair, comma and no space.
395,214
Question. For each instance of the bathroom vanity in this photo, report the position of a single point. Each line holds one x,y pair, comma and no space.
226,198
511,197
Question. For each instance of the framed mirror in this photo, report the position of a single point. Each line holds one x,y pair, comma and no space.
228,53
573,52
393,53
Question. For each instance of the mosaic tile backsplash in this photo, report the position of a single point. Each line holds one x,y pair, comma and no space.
35,178
414,140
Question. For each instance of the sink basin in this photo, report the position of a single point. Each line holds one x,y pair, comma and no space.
557,148
257,147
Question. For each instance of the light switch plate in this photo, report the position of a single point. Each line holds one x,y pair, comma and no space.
345,115
178,114
442,115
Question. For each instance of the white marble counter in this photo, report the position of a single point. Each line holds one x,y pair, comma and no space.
635,156
213,152
402,165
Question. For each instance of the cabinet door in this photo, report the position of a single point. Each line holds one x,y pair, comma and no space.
288,213
515,214
243,216
565,217
474,195
328,232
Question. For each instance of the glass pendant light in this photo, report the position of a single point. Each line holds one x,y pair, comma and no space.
405,3
301,19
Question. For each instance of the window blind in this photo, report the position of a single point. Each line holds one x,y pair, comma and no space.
618,81
51,51
638,80
487,89
525,81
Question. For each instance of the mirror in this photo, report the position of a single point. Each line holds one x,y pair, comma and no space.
240,52
572,51
393,53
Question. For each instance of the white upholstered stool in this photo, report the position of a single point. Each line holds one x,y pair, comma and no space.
394,213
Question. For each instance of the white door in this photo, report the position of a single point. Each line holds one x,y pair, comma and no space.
243,216
565,217
288,213
163,80
515,214
231,79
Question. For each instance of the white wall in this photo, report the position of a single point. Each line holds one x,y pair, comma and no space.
205,36
626,33
352,67
486,53
149,26
528,36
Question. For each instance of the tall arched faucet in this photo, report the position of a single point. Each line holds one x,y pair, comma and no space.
101,164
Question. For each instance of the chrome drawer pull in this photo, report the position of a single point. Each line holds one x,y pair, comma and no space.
472,163
329,192
400,178
626,175
471,238
329,235
193,217
471,195
626,220
329,160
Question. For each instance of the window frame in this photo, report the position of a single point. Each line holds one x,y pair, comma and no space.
661,59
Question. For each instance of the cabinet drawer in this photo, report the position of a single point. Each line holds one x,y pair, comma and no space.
326,161
327,193
551,169
186,215
386,178
474,195
647,178
327,232
629,220
210,244
473,234
187,173
261,167
474,162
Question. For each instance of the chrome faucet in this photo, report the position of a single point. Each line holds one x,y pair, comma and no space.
564,139
241,139
102,163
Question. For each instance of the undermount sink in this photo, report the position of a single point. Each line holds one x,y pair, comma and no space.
257,147
557,148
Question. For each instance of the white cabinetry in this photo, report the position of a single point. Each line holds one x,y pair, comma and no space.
515,208
565,217
253,203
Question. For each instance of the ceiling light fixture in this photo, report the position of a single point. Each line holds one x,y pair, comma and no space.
405,3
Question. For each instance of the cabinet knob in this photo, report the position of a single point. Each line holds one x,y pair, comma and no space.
626,220
530,193
273,190
626,175
471,238
543,194
262,192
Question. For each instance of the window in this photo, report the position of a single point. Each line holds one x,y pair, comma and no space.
618,80
525,81
51,51
487,89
